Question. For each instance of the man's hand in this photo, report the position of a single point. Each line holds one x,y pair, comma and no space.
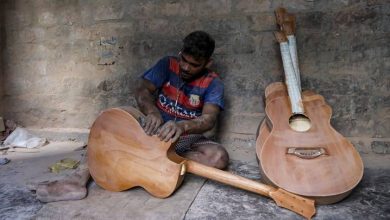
152,123
170,130
146,102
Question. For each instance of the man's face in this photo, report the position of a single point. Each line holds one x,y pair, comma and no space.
191,68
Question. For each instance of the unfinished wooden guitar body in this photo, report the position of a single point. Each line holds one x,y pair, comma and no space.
121,155
319,163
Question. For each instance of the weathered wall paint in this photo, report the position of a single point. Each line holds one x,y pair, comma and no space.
65,61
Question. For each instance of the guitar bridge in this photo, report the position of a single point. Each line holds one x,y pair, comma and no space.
307,153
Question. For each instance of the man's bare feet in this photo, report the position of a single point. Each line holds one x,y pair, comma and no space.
60,190
71,187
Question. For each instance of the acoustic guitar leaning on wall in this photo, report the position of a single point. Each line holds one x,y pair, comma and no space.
297,148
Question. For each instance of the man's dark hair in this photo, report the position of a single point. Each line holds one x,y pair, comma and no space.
198,44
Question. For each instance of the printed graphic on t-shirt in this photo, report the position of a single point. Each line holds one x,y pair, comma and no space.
171,107
194,100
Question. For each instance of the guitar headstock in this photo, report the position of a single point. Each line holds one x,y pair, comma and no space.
280,36
279,14
295,203
288,28
290,19
286,21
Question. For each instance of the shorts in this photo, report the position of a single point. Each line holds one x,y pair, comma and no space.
190,141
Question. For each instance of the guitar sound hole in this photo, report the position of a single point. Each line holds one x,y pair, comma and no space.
299,122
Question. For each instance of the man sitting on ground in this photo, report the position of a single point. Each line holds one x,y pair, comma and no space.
181,98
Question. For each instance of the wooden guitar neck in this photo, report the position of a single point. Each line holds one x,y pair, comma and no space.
297,204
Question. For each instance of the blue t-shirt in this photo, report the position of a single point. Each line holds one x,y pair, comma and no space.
179,100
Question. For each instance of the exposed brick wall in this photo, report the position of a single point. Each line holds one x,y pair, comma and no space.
65,61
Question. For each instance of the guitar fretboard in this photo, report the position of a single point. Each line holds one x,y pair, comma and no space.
291,80
292,44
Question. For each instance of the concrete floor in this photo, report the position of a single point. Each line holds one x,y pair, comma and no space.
197,198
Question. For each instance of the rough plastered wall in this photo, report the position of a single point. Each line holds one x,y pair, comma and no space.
2,49
65,61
